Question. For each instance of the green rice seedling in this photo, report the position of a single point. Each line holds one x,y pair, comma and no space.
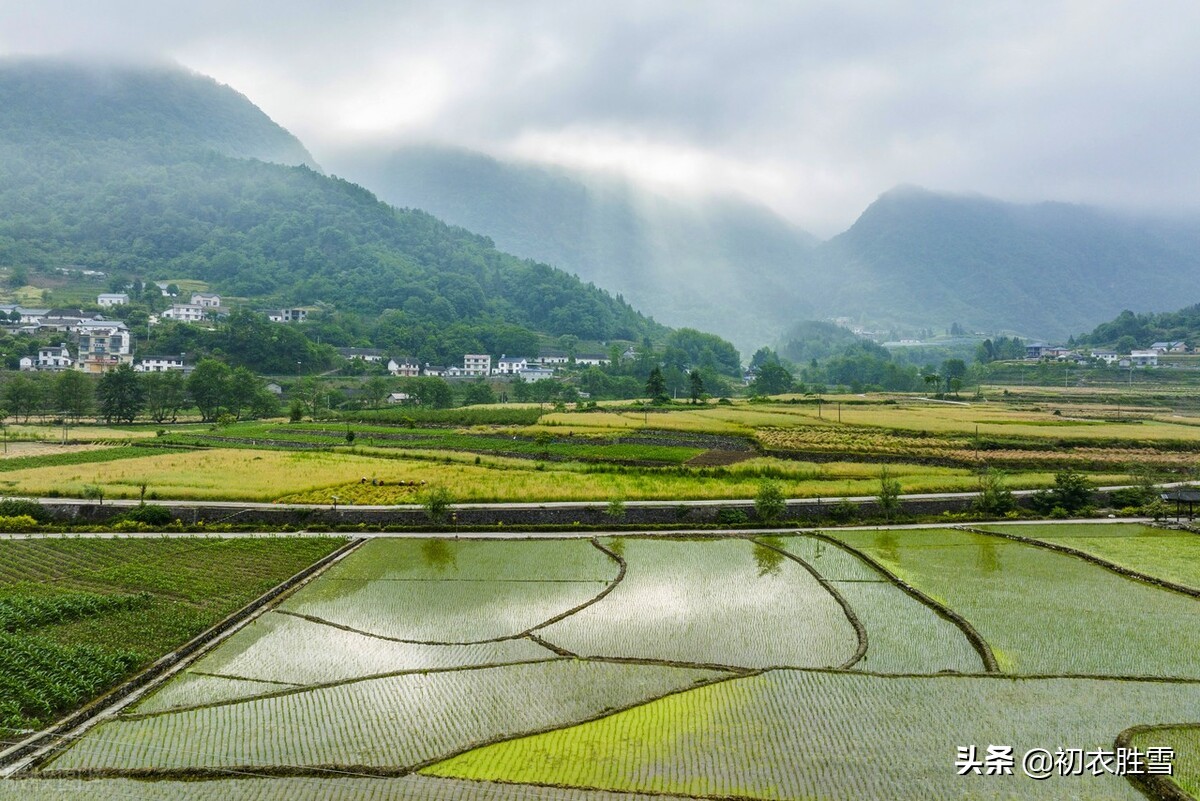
722,602
839,736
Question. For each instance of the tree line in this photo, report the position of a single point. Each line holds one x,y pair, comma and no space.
123,395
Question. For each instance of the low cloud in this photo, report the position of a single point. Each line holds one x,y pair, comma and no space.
813,108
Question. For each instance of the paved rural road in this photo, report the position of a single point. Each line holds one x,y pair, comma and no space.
517,533
543,504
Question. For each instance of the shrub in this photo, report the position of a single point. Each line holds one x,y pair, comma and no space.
16,507
1071,493
770,505
149,513
17,523
616,509
994,498
843,511
437,503
889,494
732,517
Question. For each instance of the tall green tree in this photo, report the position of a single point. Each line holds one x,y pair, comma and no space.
22,396
166,395
772,379
375,391
120,395
656,385
208,385
73,394
695,386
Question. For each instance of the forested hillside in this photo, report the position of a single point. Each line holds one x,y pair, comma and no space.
142,186
723,265
1131,330
1048,270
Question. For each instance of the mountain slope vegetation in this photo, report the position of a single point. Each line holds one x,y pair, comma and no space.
722,265
146,185
1048,269
914,259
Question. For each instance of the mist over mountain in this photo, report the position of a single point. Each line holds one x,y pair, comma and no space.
723,265
914,258
1048,270
156,173
158,108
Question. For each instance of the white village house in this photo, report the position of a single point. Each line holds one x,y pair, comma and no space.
112,299
206,300
185,312
57,357
477,364
510,365
159,364
404,366
103,346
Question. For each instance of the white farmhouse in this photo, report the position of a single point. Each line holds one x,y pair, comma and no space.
185,313
404,366
103,347
54,358
1144,358
112,299
477,364
206,300
510,365
159,364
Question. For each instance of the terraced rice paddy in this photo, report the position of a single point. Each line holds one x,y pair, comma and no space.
1162,553
705,601
1041,611
850,665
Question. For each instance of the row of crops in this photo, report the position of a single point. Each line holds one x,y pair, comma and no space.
848,665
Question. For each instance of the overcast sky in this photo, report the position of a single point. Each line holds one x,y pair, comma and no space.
813,108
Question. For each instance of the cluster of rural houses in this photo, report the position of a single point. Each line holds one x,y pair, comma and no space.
203,306
476,365
99,343
1147,357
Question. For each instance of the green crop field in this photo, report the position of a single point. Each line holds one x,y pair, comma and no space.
637,668
1044,612
1170,555
76,616
1185,742
388,723
843,737
726,602
903,634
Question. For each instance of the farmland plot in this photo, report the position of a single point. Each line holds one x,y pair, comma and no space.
1170,555
386,724
278,651
903,634
838,737
452,592
358,788
723,602
1185,741
1044,612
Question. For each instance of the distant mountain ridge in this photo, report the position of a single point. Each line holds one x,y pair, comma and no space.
1048,269
722,265
914,258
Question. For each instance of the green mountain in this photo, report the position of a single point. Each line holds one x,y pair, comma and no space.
722,265
157,173
150,112
914,259
1047,270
